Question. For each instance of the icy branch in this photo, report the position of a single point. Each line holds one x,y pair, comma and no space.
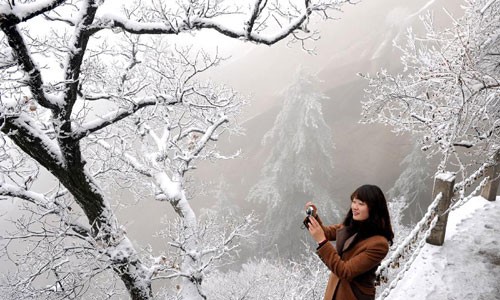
49,205
28,136
127,158
253,37
486,6
33,75
11,15
119,114
78,44
116,21
201,21
209,134
450,86
15,191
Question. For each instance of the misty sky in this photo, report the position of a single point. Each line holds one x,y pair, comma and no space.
360,41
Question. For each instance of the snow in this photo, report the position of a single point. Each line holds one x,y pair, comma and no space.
445,176
22,10
24,121
170,188
467,266
134,25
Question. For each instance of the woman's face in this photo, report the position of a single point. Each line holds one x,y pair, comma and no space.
359,210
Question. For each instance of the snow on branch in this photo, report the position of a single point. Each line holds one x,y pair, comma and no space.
129,159
110,21
121,113
15,13
218,239
33,77
50,206
203,15
15,191
24,130
208,135
449,90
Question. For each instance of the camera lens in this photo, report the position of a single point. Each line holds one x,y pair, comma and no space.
309,211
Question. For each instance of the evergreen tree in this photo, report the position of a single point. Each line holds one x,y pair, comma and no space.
299,166
412,186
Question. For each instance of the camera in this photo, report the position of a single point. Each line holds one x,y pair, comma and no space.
309,213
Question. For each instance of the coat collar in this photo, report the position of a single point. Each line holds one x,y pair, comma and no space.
345,239
349,242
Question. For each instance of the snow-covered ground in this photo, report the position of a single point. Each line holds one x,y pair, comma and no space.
467,266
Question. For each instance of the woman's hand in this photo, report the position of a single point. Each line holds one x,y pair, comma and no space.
316,230
310,204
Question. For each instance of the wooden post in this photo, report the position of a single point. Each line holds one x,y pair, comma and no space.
443,183
489,191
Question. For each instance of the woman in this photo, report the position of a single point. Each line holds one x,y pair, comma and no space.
362,242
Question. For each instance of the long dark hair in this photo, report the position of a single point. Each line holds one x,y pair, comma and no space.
379,221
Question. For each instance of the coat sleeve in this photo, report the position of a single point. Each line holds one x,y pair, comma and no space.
366,259
330,231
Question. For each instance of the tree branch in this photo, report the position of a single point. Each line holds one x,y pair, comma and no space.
110,22
119,114
22,12
128,159
33,141
198,23
75,59
35,83
42,201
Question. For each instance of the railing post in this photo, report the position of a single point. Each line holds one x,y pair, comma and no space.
443,183
489,191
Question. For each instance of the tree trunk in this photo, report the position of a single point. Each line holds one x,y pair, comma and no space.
72,175
191,286
138,287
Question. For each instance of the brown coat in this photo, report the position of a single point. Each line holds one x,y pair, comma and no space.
356,268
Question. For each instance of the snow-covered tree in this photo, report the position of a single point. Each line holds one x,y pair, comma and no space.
71,72
412,186
161,144
271,279
299,166
449,90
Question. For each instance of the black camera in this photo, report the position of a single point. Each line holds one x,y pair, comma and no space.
309,213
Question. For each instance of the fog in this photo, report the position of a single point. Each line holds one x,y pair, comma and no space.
360,41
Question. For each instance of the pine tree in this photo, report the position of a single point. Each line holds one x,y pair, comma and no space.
412,186
299,167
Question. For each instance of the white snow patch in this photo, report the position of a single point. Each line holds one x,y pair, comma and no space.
445,176
171,188
467,266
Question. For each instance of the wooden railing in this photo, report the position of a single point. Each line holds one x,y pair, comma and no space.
447,196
